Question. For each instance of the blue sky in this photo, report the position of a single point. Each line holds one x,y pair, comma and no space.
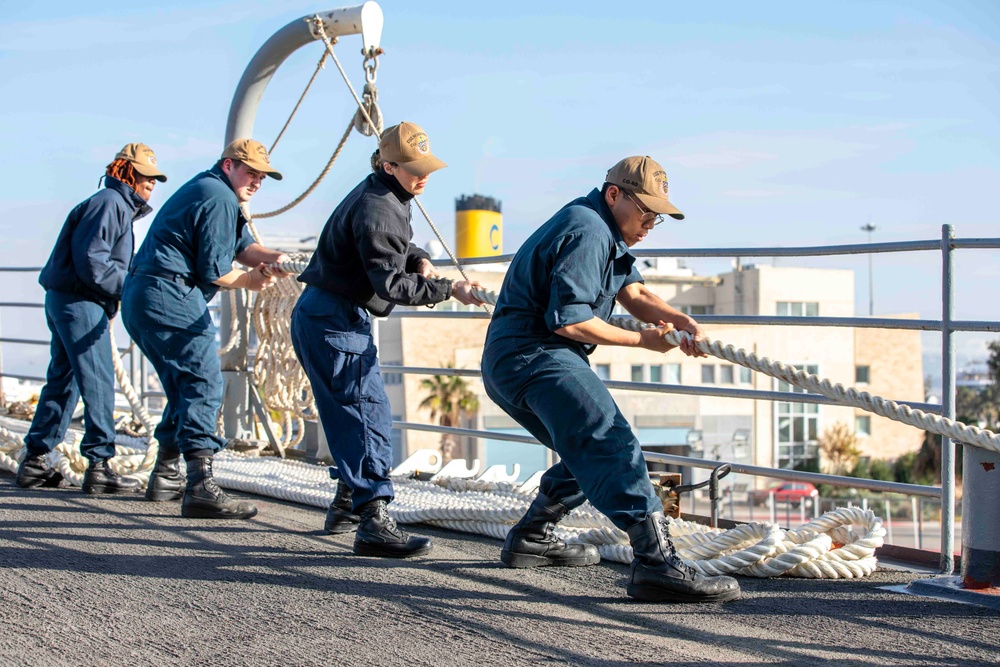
779,123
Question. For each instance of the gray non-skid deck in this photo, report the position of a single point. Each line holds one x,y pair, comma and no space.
114,581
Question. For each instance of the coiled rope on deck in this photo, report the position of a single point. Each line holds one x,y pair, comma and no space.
840,544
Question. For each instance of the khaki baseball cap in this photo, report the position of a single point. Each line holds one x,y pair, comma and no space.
407,145
143,160
253,154
646,178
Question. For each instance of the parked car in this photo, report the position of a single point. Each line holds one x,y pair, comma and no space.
789,492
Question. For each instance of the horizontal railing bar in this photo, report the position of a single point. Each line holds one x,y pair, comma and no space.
24,341
972,325
19,269
760,320
35,341
425,312
663,388
467,432
30,378
802,321
975,243
784,251
759,471
800,251
799,476
20,304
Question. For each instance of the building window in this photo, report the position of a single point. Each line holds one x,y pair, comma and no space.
656,373
603,371
746,376
708,373
726,374
673,373
862,374
862,425
392,378
697,310
637,374
798,309
797,427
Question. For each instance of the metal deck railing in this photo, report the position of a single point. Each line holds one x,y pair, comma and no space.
946,325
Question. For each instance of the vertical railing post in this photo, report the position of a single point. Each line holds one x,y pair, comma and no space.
947,404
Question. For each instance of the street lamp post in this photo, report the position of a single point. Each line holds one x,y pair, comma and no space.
871,280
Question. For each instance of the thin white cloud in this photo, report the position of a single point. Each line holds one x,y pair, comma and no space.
722,158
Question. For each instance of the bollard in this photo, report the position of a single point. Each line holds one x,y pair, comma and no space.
980,519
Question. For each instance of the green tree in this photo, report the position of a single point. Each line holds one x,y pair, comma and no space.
839,447
449,399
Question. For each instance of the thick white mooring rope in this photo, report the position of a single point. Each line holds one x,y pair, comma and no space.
490,508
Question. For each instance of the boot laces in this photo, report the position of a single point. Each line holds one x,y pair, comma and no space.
672,556
388,522
213,486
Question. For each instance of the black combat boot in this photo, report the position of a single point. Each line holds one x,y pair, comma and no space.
340,518
659,574
203,499
378,534
530,543
101,479
166,481
35,470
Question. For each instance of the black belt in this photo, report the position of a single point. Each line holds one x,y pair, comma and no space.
178,278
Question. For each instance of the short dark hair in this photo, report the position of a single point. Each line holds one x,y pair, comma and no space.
604,188
223,159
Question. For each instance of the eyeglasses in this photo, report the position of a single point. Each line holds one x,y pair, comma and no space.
646,215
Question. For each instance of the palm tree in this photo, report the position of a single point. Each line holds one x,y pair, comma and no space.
449,399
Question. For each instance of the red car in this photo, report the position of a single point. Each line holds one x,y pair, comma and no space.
788,492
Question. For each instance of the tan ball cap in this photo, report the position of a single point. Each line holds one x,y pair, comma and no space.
253,154
407,145
143,160
646,178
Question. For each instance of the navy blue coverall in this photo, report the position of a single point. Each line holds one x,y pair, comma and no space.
364,263
83,283
192,243
569,271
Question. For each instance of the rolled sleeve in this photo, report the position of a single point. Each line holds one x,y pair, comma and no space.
633,277
215,239
576,282
244,241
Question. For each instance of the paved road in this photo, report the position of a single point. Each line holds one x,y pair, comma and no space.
104,581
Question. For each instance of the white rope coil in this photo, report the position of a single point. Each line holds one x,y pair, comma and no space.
754,549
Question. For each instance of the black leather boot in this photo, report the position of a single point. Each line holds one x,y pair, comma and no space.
35,471
340,518
530,543
203,499
378,535
101,479
166,481
659,574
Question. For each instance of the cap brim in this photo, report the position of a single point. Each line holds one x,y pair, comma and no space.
150,172
660,205
264,168
423,166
